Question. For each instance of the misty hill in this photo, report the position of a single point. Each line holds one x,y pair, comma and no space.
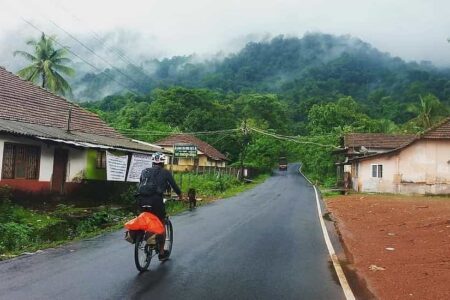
317,67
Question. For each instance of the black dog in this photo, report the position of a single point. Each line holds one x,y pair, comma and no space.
192,199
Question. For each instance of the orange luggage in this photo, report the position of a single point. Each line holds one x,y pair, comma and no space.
146,221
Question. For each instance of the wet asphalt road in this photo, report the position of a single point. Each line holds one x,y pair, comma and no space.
265,243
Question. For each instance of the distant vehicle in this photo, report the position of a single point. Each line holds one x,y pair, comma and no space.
283,164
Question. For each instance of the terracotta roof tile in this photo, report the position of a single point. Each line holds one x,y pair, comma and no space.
23,101
377,140
190,139
89,140
29,110
440,131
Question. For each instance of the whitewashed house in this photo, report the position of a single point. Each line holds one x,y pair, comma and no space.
48,144
418,166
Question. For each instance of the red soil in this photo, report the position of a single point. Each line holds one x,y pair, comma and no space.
416,231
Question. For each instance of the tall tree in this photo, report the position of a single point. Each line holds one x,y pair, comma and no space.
47,65
429,111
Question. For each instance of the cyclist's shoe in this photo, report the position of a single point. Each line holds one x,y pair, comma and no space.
164,256
151,240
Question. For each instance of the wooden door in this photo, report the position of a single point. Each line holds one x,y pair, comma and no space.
59,170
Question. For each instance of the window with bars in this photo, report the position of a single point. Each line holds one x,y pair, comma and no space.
21,161
101,159
377,171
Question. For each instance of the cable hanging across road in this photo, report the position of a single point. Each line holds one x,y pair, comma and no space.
151,132
284,138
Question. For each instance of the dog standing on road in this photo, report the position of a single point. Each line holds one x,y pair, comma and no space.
192,198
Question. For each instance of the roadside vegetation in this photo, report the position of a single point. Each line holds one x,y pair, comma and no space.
23,230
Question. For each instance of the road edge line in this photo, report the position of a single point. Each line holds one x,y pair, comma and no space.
337,265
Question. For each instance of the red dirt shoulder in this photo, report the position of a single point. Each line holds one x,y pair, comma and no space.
407,236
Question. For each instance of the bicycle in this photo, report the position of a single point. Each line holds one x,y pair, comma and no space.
147,245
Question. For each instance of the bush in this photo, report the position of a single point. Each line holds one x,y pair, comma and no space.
5,195
208,184
14,236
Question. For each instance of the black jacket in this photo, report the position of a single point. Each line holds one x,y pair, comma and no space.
163,180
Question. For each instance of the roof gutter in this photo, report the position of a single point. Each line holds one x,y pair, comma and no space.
90,145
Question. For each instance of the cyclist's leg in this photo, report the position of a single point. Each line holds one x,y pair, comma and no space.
159,210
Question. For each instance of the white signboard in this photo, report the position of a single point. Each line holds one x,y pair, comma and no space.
116,167
138,163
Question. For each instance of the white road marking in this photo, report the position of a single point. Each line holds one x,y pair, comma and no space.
337,266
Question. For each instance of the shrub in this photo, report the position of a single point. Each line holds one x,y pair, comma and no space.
14,236
5,195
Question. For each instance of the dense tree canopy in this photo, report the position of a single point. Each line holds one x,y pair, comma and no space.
302,93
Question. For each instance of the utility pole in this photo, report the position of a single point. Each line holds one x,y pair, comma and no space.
245,142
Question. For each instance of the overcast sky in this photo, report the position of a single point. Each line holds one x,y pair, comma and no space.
411,29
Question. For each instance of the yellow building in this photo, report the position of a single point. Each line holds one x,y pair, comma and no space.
207,155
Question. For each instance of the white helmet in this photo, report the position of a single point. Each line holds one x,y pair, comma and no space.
158,158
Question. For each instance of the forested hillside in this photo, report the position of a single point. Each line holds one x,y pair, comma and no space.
309,90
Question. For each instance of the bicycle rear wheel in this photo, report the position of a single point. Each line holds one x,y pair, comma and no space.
142,252
169,236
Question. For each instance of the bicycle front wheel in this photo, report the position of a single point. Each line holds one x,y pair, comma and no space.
142,253
169,236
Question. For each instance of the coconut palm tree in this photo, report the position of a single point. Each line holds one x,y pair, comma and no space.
47,64
429,111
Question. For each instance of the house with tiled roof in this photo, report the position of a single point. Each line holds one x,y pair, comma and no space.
50,144
207,155
420,165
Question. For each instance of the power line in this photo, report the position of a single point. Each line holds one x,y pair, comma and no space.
96,36
280,137
143,131
92,51
76,55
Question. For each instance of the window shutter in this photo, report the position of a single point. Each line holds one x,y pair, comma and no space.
21,161
380,171
374,170
34,154
8,162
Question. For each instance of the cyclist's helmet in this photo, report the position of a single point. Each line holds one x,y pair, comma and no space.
158,158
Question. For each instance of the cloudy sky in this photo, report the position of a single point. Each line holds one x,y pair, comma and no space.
411,29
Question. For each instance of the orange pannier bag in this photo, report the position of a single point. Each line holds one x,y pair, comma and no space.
146,221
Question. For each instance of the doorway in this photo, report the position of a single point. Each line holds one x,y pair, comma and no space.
60,160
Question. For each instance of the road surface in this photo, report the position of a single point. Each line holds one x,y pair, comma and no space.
265,243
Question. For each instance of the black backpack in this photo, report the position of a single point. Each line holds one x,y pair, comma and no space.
148,186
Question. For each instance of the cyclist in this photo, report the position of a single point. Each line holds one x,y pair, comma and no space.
161,180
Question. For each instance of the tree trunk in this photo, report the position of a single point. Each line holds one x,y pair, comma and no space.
43,80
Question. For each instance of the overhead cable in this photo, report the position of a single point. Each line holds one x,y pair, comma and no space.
78,56
279,137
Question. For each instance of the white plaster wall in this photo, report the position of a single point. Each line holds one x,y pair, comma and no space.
367,183
77,164
46,167
426,161
2,144
421,168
